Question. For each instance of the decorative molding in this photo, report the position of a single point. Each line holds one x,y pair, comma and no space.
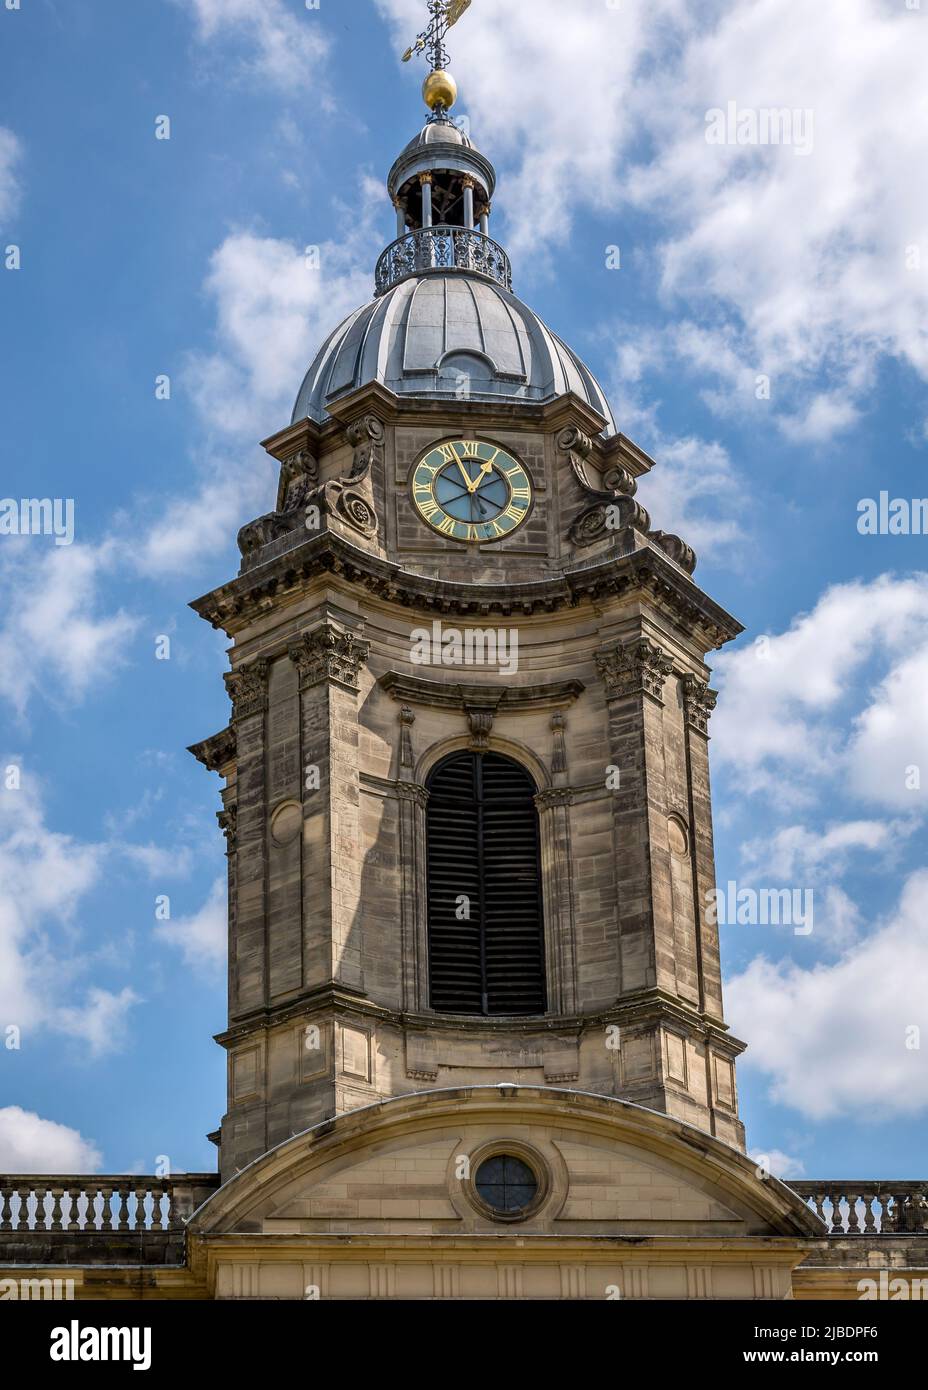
247,689
554,796
415,690
637,667
698,703
328,654
217,752
411,791
682,554
407,720
559,756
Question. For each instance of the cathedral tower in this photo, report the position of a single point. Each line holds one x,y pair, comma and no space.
466,774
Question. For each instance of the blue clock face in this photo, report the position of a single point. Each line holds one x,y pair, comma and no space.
472,491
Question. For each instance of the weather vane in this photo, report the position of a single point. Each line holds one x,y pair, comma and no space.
445,14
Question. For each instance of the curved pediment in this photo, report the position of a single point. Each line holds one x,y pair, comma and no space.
408,1166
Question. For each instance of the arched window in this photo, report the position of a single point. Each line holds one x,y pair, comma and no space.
486,937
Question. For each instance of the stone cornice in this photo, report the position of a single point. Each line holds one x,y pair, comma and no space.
235,605
414,690
218,752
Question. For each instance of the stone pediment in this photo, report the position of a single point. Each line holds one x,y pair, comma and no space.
405,1168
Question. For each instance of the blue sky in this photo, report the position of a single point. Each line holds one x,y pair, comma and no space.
186,257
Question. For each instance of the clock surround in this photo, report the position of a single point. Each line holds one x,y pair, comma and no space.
472,491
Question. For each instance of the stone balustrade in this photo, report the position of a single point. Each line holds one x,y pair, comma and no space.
868,1208
95,1205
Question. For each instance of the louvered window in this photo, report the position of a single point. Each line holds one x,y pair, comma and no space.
486,940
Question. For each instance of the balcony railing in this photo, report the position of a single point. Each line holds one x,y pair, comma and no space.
442,248
92,1205
868,1208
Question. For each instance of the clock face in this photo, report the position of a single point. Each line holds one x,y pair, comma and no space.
469,490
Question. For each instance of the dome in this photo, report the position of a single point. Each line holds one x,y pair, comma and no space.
438,133
452,335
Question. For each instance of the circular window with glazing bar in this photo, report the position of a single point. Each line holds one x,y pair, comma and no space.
508,1182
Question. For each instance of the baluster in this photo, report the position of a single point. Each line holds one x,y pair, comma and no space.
853,1221
818,1200
141,1220
74,1196
869,1222
6,1210
40,1217
57,1194
837,1219
156,1221
123,1192
106,1214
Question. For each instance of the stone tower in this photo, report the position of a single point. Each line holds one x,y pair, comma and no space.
466,775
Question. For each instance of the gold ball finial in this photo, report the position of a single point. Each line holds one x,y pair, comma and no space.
439,89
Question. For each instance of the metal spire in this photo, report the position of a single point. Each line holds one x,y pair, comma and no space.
445,14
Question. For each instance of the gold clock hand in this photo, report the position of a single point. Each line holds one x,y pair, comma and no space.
462,470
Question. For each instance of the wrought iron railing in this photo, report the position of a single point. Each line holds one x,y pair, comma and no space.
442,248
91,1205
868,1208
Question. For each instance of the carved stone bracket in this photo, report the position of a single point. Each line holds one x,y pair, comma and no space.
247,689
605,518
481,726
637,667
328,654
217,752
412,791
614,507
351,499
698,703
228,824
299,474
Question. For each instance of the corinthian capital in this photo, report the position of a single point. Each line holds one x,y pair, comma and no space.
247,689
328,654
698,703
635,667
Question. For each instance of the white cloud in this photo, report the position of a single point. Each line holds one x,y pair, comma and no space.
10,157
53,638
832,1040
779,1164
791,714
202,938
282,47
29,1144
45,876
